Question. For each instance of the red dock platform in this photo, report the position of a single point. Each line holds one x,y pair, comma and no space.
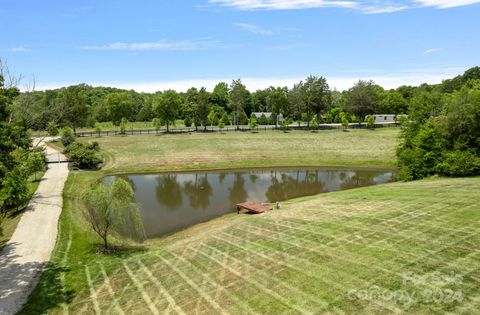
253,207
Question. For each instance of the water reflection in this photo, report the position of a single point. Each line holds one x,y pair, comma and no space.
173,201
198,191
169,193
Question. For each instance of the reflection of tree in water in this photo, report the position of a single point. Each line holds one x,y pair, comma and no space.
290,187
168,191
253,178
221,177
199,192
359,179
237,191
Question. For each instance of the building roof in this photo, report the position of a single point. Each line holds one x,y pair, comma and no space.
259,114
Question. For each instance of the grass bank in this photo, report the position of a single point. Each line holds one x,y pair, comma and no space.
145,153
336,252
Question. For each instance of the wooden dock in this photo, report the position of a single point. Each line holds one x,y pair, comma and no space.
252,207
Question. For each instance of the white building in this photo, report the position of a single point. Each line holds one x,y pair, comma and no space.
259,114
386,118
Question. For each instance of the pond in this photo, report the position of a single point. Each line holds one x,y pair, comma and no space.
173,201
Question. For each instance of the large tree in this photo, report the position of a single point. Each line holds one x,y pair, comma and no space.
362,99
73,104
14,149
238,99
219,96
119,105
166,106
278,102
297,101
318,96
203,107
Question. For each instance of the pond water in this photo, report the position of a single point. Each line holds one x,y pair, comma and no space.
172,201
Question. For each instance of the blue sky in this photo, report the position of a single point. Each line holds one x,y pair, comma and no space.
153,45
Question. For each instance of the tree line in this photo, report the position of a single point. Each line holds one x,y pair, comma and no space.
309,101
20,159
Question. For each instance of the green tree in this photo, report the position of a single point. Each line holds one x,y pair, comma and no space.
84,156
35,163
187,121
13,137
344,121
219,96
111,208
392,102
123,125
212,118
277,101
67,136
297,102
238,99
52,129
119,105
225,119
318,96
362,99
203,107
14,190
157,124
314,123
253,123
74,107
166,106
370,120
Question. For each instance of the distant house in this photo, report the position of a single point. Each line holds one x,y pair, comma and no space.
268,115
259,114
386,118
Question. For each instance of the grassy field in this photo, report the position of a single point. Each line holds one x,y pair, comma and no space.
135,125
385,249
245,149
358,251
8,224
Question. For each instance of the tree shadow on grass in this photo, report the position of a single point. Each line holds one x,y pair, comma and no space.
50,292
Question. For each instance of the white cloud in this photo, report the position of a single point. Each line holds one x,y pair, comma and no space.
19,49
183,45
445,4
365,6
384,9
431,51
283,4
254,29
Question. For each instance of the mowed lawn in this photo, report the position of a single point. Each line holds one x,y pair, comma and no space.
361,251
240,149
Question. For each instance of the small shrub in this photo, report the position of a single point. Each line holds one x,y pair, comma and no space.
460,163
187,121
84,156
253,122
370,120
123,126
314,123
67,136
